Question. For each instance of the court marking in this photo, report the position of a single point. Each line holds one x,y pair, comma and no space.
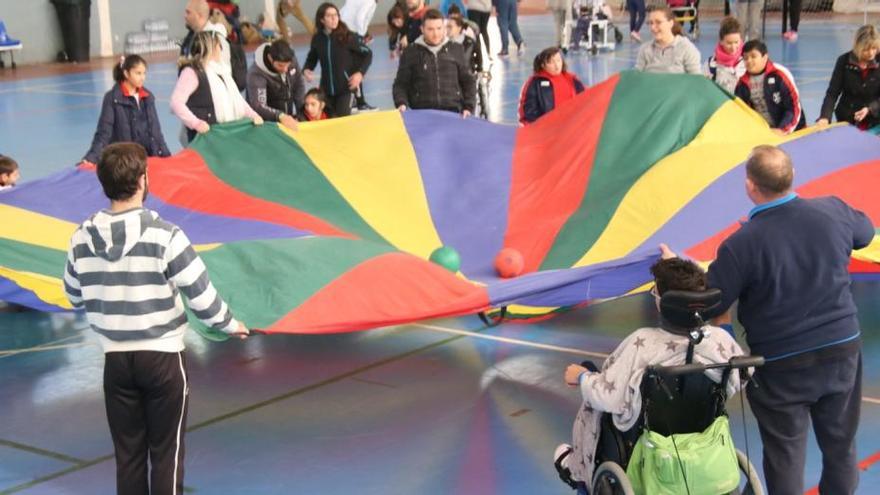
548,347
46,348
42,452
238,412
12,352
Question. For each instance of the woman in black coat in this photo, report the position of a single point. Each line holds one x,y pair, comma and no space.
854,91
128,113
344,59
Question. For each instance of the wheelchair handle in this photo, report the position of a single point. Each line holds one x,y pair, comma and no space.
738,362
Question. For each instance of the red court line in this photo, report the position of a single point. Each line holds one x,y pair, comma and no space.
863,466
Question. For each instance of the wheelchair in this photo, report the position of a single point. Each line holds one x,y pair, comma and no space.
675,399
687,11
483,81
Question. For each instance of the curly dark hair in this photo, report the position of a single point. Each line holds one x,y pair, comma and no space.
678,274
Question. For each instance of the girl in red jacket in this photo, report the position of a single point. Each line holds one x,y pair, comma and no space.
313,106
549,87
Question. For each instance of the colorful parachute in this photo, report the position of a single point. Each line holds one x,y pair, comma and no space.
329,229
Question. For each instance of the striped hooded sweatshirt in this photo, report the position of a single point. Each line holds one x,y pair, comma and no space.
128,271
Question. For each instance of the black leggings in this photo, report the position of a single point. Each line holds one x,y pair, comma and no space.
339,105
482,20
791,9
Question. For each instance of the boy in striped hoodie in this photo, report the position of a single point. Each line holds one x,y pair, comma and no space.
127,268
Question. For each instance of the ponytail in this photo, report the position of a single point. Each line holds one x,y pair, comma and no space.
126,63
676,28
203,46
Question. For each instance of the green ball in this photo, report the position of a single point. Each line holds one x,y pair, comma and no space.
446,257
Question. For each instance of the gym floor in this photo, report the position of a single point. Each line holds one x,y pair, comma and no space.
435,407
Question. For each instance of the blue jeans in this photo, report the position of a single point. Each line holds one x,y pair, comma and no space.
507,22
636,10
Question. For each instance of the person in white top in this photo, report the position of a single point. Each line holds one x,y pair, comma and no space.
358,14
205,93
726,65
561,10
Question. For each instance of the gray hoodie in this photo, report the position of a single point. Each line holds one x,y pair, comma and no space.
270,93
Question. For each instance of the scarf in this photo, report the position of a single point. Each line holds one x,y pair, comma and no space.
228,103
727,59
323,116
563,86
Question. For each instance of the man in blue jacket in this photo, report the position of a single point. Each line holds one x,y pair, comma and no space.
788,266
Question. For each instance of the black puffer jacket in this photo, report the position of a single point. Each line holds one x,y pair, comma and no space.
849,92
338,60
442,82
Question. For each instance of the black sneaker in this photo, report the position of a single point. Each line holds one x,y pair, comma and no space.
366,107
503,53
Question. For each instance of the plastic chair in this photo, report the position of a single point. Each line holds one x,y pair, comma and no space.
8,44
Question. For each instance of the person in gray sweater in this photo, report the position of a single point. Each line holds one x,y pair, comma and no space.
669,52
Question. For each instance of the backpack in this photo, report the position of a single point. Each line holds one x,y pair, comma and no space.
708,460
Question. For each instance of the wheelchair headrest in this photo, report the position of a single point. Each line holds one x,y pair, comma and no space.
685,311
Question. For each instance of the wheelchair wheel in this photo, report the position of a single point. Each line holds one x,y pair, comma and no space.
750,483
610,479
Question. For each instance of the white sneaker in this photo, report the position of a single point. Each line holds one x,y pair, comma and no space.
561,455
561,460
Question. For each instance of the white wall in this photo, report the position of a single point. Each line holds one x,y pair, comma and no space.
34,22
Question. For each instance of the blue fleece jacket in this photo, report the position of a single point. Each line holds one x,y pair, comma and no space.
789,268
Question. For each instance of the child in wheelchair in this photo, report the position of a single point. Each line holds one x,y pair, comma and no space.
588,30
616,390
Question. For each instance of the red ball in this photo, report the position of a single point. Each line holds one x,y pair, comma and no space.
509,263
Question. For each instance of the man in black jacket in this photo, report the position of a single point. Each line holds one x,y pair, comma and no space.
433,72
275,84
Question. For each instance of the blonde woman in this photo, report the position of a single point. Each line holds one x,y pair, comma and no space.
205,93
854,91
